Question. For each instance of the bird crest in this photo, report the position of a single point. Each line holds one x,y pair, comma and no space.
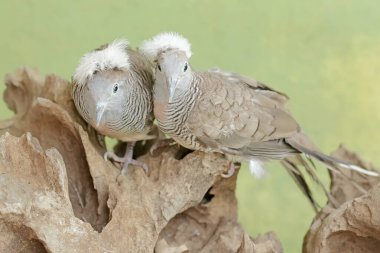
165,41
111,56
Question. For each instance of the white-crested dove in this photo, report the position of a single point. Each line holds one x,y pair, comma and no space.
112,89
219,111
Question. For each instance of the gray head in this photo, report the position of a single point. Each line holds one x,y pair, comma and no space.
105,96
173,72
100,89
171,53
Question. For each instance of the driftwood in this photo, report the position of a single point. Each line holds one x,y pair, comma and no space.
354,226
58,194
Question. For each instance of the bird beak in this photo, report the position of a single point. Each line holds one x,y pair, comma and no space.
100,107
172,87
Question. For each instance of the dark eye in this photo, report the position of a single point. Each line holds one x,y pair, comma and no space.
115,88
159,67
185,68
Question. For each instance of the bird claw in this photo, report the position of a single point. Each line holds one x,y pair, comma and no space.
126,160
230,171
136,163
109,155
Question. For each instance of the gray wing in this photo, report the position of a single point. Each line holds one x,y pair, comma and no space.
242,117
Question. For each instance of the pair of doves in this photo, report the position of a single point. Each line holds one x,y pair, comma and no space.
120,91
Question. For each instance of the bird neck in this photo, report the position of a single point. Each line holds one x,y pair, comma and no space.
161,94
182,102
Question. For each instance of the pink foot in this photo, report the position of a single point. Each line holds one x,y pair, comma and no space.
127,159
230,171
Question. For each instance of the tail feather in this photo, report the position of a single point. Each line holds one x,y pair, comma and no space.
298,178
331,162
303,145
314,176
291,165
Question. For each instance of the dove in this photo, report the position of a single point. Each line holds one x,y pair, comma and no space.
112,91
224,112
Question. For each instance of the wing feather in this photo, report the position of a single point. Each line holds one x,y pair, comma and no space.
238,115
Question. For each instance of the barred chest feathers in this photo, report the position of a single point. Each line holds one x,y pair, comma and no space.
172,117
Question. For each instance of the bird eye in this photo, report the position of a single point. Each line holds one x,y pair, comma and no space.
115,88
185,68
159,67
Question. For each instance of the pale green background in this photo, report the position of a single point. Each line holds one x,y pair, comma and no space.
324,54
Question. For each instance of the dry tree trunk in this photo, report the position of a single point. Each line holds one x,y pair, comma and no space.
354,226
59,195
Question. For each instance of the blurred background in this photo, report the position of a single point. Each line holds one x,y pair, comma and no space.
324,54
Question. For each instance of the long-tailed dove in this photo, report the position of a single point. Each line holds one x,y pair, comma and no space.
112,89
219,111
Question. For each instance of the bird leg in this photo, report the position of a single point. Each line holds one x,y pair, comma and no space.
161,144
230,171
127,159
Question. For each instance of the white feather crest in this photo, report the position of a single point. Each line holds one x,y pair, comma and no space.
164,41
113,56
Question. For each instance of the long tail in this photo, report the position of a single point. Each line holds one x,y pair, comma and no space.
299,179
292,164
302,144
331,162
